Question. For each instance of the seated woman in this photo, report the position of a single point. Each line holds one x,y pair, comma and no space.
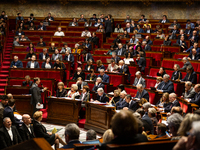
61,92
30,54
167,41
31,26
118,28
73,93
120,88
160,35
177,75
138,43
100,65
87,45
91,76
125,35
52,48
76,49
47,63
110,51
27,81
21,25
115,98
139,29
161,72
41,43
141,61
152,114
147,24
41,132
100,29
30,46
158,81
85,95
89,65
164,101
141,102
129,57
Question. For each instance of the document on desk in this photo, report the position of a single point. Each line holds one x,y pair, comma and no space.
18,116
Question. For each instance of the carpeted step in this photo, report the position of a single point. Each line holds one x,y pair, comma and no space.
2,85
5,63
4,72
81,123
3,76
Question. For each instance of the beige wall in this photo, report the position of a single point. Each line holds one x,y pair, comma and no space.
117,9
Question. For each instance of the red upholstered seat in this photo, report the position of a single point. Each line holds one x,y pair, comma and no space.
195,66
130,91
158,42
152,98
180,56
115,80
153,72
184,107
167,63
150,83
169,72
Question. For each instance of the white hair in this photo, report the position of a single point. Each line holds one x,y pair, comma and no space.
175,120
188,83
16,56
102,70
100,90
138,73
196,131
139,86
99,78
4,120
166,76
173,95
152,110
185,58
137,115
77,44
146,105
121,61
123,92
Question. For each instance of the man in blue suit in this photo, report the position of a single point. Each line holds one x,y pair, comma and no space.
141,93
44,54
122,101
72,133
103,76
41,27
132,105
196,99
166,85
173,102
16,63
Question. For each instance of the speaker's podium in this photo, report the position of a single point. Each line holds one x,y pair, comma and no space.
33,144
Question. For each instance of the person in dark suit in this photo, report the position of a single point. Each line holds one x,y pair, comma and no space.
98,84
173,102
128,19
120,51
175,30
26,130
141,93
195,45
182,33
167,41
100,65
132,105
73,23
124,69
141,61
30,54
148,30
47,63
72,133
146,47
85,95
33,63
44,54
115,57
19,32
87,56
108,25
16,63
147,39
87,45
94,39
181,42
52,48
41,43
128,28
27,81
176,75
36,94
3,104
139,79
194,38
161,72
185,62
69,57
117,41
164,20
79,73
189,91
103,76
122,101
89,65
80,83
8,134
122,124
193,55
59,65
161,129
41,27
92,76
57,55
166,85
101,96
49,17
8,112
191,75
196,99
41,132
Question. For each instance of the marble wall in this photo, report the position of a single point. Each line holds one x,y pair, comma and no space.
155,10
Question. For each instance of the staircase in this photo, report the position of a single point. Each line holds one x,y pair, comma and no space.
4,73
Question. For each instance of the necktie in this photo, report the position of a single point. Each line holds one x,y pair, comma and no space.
163,86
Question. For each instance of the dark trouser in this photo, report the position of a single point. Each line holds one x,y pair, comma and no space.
34,109
108,34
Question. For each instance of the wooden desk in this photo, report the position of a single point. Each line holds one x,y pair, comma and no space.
98,117
23,105
63,111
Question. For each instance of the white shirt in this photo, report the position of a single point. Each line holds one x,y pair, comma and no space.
163,21
10,133
32,64
44,57
47,66
148,31
139,81
111,69
59,33
88,34
83,96
29,129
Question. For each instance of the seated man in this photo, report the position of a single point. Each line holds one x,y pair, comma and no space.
41,43
82,19
16,42
193,55
94,18
8,134
120,51
115,57
194,38
98,23
59,32
98,84
72,133
86,33
112,67
196,98
3,104
181,42
128,28
173,102
69,57
166,85
19,32
147,39
73,23
26,130
57,55
8,112
185,62
141,93
94,39
160,129
59,65
132,105
91,137
80,83
133,40
52,48
141,61
16,63
23,38
87,56
103,76
139,79
101,96
191,75
79,73
128,19
146,47
124,69
122,124
32,63
189,91
65,48
195,45
41,27
122,101
43,55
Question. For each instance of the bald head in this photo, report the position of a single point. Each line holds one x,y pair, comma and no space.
26,119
